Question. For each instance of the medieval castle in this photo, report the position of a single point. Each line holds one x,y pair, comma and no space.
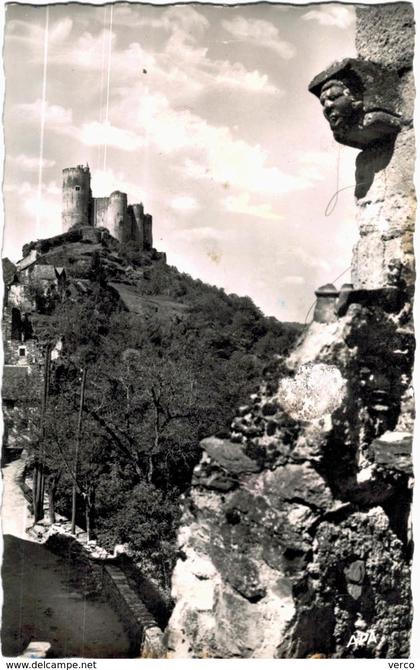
127,223
49,272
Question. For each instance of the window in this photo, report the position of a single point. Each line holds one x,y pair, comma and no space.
77,188
22,351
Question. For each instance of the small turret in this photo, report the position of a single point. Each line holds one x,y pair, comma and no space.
326,297
117,215
137,224
76,197
147,232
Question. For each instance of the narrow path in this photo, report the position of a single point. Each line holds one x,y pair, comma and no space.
45,597
15,517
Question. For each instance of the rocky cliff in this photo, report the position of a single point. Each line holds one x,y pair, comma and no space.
295,539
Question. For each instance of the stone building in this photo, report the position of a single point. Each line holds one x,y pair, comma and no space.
127,223
21,373
26,286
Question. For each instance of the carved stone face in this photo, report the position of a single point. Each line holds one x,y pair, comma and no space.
360,100
340,106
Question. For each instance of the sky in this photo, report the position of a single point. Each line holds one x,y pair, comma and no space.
202,113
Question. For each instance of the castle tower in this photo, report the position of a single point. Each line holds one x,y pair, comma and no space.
326,298
138,216
147,232
117,215
76,197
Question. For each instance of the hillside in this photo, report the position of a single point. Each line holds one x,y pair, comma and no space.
168,359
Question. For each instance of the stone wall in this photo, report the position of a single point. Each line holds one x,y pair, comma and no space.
384,172
100,212
136,212
21,297
144,633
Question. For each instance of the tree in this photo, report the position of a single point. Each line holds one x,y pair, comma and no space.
143,398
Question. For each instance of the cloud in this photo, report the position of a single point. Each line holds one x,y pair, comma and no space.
101,134
182,48
60,31
179,63
240,205
90,52
48,209
93,133
28,188
105,181
31,163
20,189
236,76
314,164
259,33
337,16
56,116
33,205
205,233
210,153
293,280
184,67
205,152
33,34
235,163
185,203
183,18
52,188
311,260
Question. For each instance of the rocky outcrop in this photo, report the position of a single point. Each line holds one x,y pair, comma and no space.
295,539
295,532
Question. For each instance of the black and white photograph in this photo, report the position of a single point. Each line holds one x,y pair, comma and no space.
207,331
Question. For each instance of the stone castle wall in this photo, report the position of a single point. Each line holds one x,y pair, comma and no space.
127,223
99,212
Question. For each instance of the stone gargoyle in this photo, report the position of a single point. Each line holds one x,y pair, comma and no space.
359,100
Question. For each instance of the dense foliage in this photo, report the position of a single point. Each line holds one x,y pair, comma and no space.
154,388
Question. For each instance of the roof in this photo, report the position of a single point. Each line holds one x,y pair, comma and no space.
9,271
43,272
28,260
327,290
